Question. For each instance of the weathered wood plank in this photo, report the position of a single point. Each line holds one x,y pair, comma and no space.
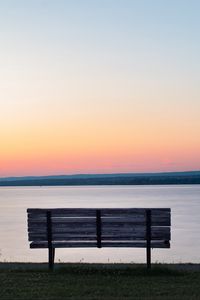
120,218
62,237
105,210
35,217
159,220
64,222
88,229
157,232
107,221
131,211
75,212
113,235
67,212
105,226
137,244
71,237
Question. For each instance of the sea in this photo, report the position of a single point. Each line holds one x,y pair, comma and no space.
184,201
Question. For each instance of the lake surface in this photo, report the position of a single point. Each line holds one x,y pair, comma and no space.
184,201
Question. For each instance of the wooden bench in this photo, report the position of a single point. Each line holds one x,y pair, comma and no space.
103,227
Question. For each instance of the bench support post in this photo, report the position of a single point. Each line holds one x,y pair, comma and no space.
98,227
148,237
49,236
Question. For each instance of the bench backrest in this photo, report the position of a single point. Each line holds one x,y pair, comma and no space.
103,227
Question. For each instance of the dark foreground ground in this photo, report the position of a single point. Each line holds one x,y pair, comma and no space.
93,281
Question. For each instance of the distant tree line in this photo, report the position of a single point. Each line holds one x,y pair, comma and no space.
151,179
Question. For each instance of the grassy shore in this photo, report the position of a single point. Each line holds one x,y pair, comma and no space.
93,281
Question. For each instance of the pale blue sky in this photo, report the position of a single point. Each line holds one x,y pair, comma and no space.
125,64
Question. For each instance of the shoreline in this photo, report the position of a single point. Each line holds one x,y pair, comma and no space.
43,265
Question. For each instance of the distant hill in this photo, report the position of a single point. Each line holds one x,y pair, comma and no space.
192,177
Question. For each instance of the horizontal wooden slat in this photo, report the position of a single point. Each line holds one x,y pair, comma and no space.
129,216
139,232
70,212
91,212
81,229
77,224
62,237
63,221
90,225
156,232
92,228
142,244
157,220
104,210
131,211
93,238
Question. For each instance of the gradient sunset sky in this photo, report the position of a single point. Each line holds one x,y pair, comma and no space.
99,86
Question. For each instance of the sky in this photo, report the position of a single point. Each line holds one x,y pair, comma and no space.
99,86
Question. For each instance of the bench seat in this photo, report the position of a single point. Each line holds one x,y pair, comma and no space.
107,244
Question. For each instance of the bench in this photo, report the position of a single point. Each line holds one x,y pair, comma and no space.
103,227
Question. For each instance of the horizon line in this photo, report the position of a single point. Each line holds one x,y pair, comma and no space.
93,174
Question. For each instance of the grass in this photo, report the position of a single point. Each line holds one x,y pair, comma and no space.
85,282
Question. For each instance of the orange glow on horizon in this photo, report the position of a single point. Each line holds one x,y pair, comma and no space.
110,162
92,147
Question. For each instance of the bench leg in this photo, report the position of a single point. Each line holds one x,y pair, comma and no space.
51,257
148,237
148,251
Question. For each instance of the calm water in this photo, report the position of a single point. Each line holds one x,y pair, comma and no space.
184,202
